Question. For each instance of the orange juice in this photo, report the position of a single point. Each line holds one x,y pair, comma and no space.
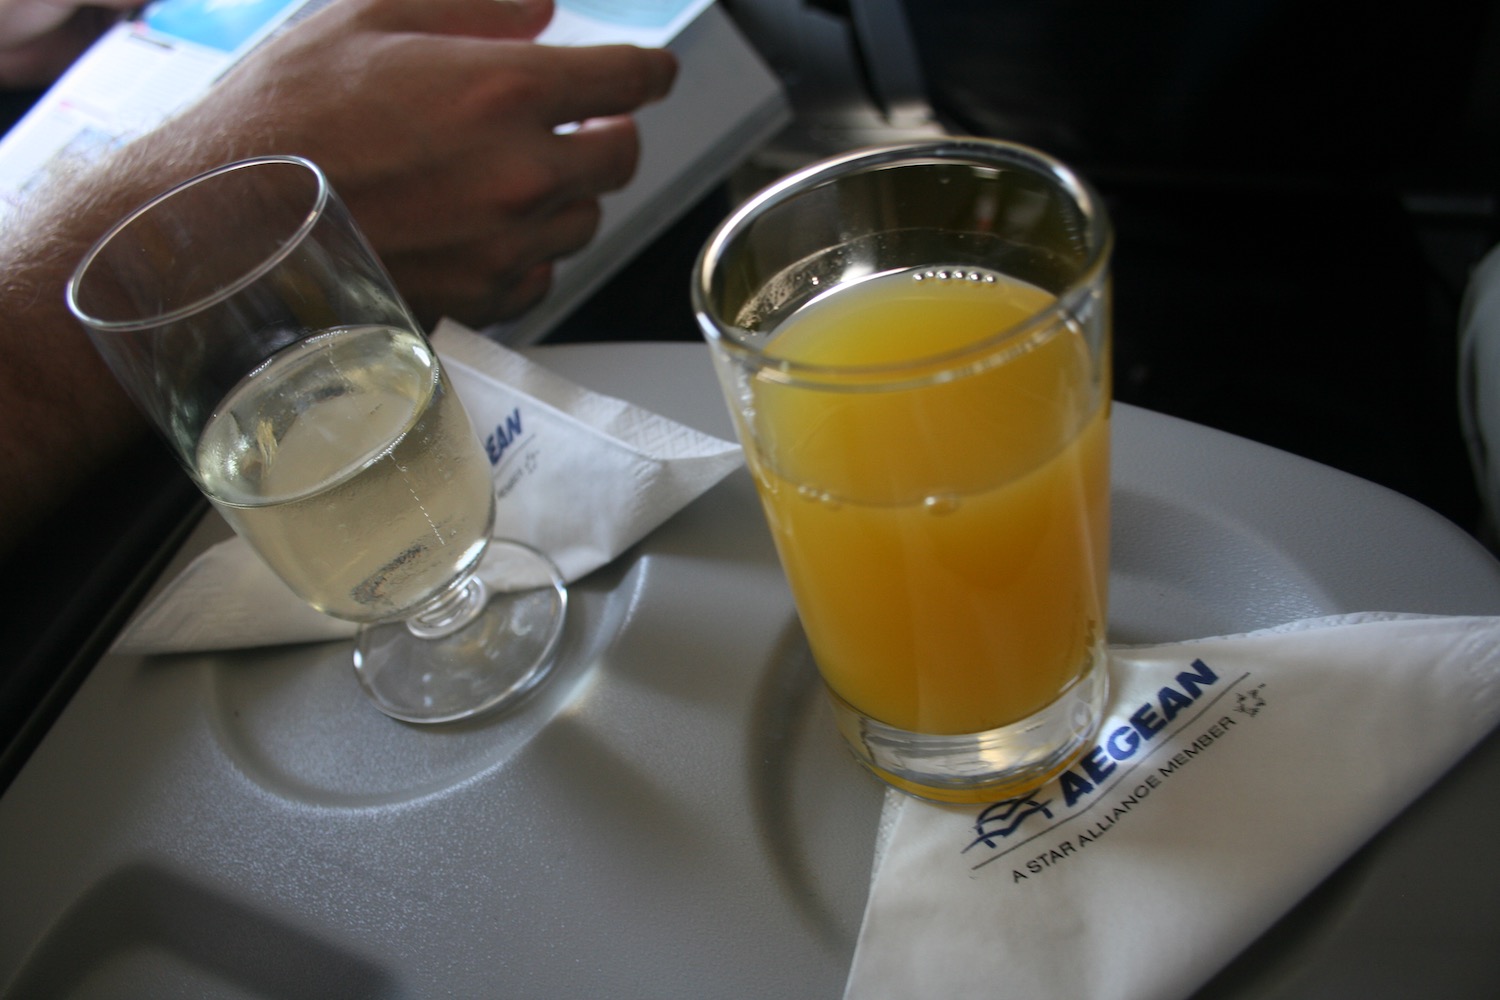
945,533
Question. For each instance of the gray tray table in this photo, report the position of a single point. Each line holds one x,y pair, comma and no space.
673,815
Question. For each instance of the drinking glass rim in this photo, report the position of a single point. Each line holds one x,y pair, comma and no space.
935,366
294,240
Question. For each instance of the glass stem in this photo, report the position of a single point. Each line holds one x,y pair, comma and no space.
450,610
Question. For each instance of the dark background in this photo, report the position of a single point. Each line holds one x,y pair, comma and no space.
1298,188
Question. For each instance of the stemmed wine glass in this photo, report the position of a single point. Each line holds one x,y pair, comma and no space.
248,317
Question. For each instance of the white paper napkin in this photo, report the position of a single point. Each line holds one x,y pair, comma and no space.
579,475
1231,776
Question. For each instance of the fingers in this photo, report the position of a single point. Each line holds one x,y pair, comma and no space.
544,170
563,84
496,277
514,19
473,303
522,196
612,146
597,81
464,183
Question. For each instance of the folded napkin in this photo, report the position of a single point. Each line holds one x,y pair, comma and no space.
580,476
1231,775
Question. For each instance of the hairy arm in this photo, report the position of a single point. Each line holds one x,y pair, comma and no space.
61,411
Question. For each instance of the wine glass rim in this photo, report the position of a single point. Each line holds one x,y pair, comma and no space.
295,238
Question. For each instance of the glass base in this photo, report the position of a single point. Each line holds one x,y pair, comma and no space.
988,766
420,672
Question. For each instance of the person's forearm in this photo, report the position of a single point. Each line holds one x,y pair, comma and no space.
61,410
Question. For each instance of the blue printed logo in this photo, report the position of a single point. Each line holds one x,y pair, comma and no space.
1118,756
1002,819
503,436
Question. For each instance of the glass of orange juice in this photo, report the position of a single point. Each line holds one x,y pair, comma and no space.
914,342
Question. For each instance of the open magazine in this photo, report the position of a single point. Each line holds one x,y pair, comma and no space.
165,56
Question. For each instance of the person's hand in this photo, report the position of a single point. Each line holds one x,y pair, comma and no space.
40,38
437,123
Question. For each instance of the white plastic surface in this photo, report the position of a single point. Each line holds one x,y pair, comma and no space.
672,815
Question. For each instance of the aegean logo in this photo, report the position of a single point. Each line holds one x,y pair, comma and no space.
1125,742
1002,819
1083,792
503,436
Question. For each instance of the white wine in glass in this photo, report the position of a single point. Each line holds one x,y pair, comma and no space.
245,313
349,463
